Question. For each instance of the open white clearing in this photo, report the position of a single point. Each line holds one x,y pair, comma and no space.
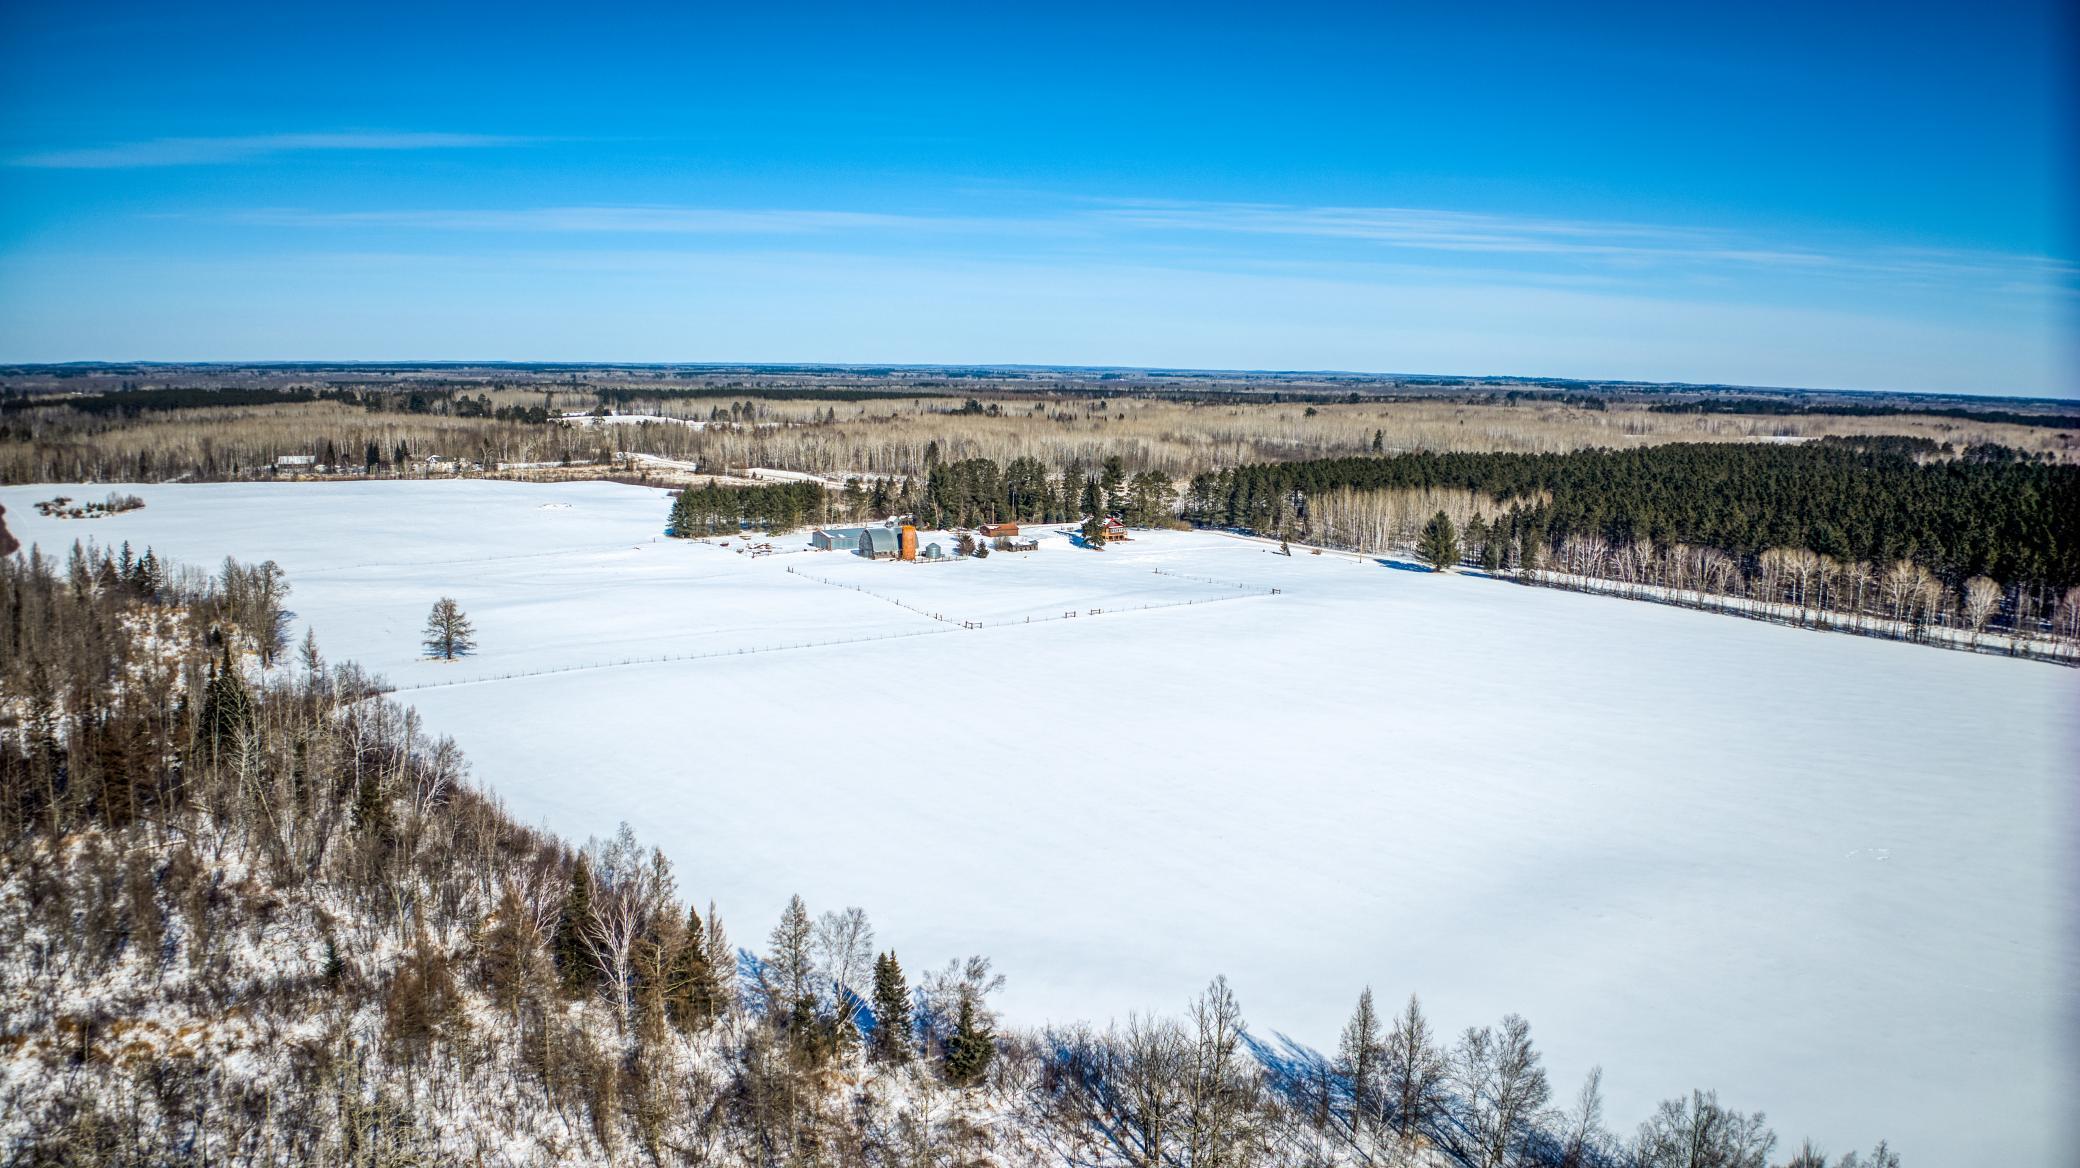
1831,877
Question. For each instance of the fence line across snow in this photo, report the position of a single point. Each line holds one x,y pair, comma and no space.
666,658
1245,592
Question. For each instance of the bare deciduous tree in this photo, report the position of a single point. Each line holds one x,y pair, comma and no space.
1501,1088
449,633
1698,1133
1982,598
843,943
1221,1083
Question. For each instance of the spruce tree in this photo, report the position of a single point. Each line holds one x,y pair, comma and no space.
372,808
1094,533
1491,551
722,962
569,948
1439,544
895,1039
150,576
227,709
1111,479
969,1048
691,997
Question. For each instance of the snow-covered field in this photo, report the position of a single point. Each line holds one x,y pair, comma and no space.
1831,877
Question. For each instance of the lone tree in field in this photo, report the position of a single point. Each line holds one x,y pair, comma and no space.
1439,544
448,633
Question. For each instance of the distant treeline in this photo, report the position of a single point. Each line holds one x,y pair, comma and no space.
142,401
1752,405
2017,522
130,403
624,395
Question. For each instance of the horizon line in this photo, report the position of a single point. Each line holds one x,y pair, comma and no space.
987,366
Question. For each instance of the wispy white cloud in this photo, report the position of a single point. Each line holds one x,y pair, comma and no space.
612,219
1613,243
1501,246
209,151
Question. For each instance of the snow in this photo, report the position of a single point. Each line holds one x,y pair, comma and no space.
632,420
1831,877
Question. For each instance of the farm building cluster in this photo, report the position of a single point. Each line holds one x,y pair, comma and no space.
899,541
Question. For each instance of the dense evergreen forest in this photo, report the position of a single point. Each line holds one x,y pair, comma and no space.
718,510
130,403
1777,406
2014,521
253,913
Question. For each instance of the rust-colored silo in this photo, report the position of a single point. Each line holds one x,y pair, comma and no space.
908,544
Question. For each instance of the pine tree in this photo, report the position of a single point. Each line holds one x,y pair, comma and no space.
722,962
371,808
1439,544
895,1039
1358,1058
1414,1070
788,964
313,661
1092,502
147,577
1111,479
1094,533
969,1048
691,997
570,950
227,709
448,632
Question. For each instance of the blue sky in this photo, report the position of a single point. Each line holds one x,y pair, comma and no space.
1869,196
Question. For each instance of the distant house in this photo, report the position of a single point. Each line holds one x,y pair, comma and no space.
880,543
836,539
993,530
296,462
1114,529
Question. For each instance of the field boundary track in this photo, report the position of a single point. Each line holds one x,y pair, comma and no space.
1243,592
662,659
948,625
